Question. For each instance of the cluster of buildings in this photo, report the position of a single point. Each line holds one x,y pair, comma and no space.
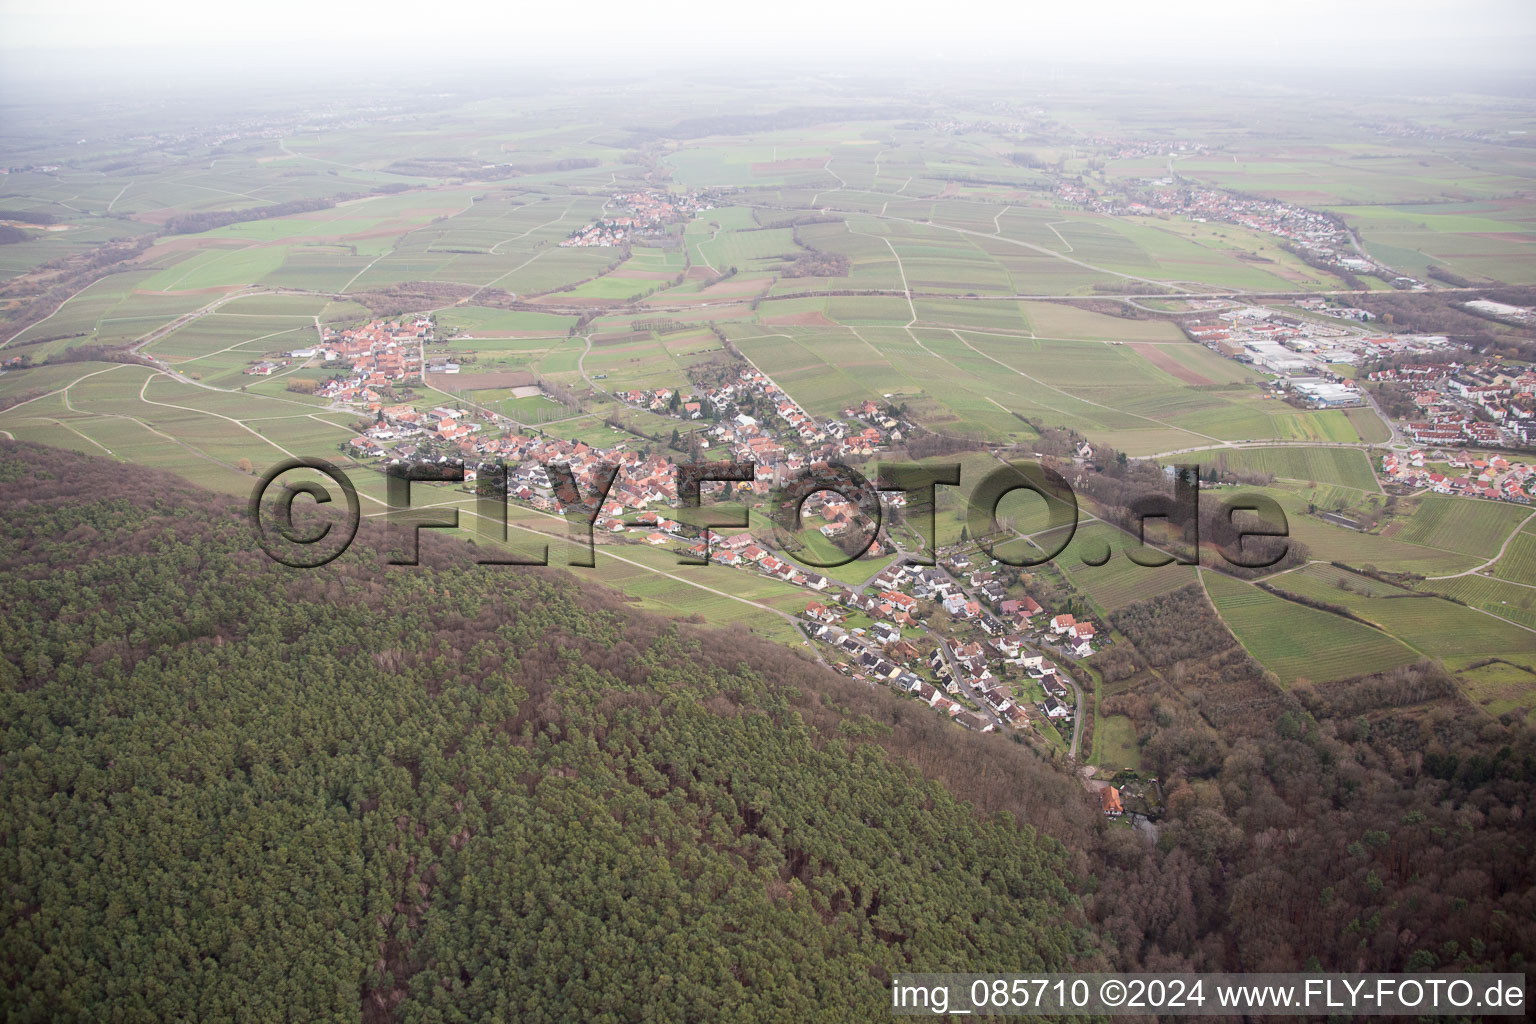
645,213
1489,403
1312,361
1322,393
381,351
1321,238
1322,307
1160,147
726,398
1273,341
1470,476
1292,345
644,484
743,551
769,443
993,670
784,443
414,429
1502,311
404,433
658,400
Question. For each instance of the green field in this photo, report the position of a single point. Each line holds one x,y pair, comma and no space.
960,286
1470,526
473,319
1434,627
1296,642
1347,467
1119,581
1500,688
1519,562
1114,742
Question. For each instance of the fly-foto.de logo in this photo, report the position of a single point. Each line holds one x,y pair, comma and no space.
1247,530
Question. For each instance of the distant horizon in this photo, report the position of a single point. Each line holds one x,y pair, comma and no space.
176,41
73,75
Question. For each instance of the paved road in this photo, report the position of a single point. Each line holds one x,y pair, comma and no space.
900,559
1080,706
958,675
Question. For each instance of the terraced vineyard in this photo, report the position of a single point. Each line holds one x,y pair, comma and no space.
1331,542
1469,526
1509,600
1519,562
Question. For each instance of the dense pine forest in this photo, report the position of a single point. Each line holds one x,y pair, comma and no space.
238,791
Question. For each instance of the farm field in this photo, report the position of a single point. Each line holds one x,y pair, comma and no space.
474,320
1343,579
1296,642
1347,467
939,269
1519,562
1472,527
1507,600
1383,549
1434,627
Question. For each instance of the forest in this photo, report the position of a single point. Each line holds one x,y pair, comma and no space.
235,790
240,791
1378,824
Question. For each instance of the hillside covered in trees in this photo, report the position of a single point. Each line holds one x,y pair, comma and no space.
1374,824
234,790
238,791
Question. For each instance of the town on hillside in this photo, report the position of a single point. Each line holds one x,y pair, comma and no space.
962,637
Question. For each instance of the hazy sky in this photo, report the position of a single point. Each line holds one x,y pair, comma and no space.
246,38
